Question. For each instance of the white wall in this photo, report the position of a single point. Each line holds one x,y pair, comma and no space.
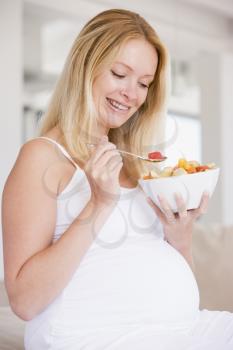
226,100
10,88
216,82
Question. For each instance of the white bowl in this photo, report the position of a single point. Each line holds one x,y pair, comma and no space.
190,186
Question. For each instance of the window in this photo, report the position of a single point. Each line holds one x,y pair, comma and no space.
183,138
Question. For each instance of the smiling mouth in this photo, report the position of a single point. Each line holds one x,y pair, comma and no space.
116,105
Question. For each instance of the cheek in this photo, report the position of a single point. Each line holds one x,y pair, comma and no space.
142,97
101,86
112,85
105,88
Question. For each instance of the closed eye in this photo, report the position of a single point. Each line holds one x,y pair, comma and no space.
117,75
144,86
120,76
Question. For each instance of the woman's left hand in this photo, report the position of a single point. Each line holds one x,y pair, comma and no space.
178,226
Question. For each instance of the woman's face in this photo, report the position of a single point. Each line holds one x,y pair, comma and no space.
120,90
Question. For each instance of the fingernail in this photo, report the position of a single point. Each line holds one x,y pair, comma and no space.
206,193
104,138
160,198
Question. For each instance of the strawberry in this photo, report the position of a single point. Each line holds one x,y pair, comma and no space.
155,155
202,168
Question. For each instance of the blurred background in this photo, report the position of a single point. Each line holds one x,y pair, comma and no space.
36,35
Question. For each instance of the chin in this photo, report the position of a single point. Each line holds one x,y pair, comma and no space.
116,119
116,125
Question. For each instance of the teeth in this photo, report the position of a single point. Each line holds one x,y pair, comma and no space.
118,105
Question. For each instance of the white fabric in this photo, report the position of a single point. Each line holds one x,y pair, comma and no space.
132,290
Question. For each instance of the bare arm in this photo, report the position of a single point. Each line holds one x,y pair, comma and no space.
36,270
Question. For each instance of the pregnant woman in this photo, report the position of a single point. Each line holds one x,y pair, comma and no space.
90,262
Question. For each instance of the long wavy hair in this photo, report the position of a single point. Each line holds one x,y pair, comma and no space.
72,108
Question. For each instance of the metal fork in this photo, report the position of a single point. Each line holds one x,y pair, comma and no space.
135,155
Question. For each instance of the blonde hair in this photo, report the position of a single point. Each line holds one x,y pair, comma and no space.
72,108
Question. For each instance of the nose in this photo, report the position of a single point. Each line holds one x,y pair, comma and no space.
129,92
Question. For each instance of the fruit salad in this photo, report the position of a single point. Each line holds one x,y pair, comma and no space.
181,168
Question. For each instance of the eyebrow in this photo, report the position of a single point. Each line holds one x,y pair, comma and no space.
124,64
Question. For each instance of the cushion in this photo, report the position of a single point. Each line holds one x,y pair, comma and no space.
11,330
213,258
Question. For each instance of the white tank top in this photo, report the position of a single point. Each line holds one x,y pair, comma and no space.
129,276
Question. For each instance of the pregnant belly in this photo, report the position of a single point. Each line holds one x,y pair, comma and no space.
143,282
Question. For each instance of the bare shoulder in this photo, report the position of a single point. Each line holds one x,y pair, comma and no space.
37,152
36,147
39,160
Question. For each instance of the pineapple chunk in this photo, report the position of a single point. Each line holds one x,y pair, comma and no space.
193,163
154,174
167,171
182,163
179,171
211,165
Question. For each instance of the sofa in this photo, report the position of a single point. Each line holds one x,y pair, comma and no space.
11,327
213,258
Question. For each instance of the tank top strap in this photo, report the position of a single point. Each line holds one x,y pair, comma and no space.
61,148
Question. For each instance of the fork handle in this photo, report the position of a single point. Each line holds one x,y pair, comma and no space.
134,155
121,151
125,152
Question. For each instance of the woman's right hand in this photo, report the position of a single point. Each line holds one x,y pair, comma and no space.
103,170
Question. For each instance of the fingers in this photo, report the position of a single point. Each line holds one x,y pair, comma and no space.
102,147
114,163
166,214
110,158
202,209
107,154
117,168
204,203
181,206
166,209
